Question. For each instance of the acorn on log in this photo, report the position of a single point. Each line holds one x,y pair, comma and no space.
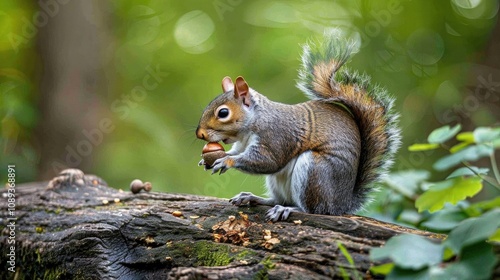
211,152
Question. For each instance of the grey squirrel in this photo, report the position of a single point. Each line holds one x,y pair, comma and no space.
321,156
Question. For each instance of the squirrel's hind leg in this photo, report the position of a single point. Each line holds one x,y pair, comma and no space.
287,187
330,186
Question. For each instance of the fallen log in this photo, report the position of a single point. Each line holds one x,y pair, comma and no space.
76,227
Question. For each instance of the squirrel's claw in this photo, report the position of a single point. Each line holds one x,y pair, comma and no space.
241,199
220,165
202,162
280,213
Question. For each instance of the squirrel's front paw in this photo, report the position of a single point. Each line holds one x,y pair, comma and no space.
243,198
222,165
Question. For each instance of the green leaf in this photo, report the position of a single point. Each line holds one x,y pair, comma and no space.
349,259
443,134
476,262
409,251
344,273
473,230
345,253
408,274
470,153
473,212
486,205
382,269
466,171
458,147
422,147
448,254
406,182
466,137
486,134
495,237
410,216
449,191
445,220
496,143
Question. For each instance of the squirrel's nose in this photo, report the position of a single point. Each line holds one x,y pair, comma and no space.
200,133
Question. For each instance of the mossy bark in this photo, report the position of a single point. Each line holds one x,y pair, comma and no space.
79,228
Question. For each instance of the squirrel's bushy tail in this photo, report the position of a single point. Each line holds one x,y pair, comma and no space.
322,78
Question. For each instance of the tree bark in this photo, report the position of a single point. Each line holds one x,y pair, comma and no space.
72,83
76,227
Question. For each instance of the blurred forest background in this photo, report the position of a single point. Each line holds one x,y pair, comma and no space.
116,88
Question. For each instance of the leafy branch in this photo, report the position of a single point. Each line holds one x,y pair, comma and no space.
467,252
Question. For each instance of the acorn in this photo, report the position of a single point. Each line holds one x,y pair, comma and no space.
211,152
137,185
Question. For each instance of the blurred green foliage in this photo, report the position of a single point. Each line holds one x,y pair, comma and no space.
472,228
18,106
419,50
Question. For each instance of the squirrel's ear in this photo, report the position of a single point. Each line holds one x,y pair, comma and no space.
227,84
241,90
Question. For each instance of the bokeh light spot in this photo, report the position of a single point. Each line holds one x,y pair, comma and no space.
425,47
193,32
466,4
145,25
476,9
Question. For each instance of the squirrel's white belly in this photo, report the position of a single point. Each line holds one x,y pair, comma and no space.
287,185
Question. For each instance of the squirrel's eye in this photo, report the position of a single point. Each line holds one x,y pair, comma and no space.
223,113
